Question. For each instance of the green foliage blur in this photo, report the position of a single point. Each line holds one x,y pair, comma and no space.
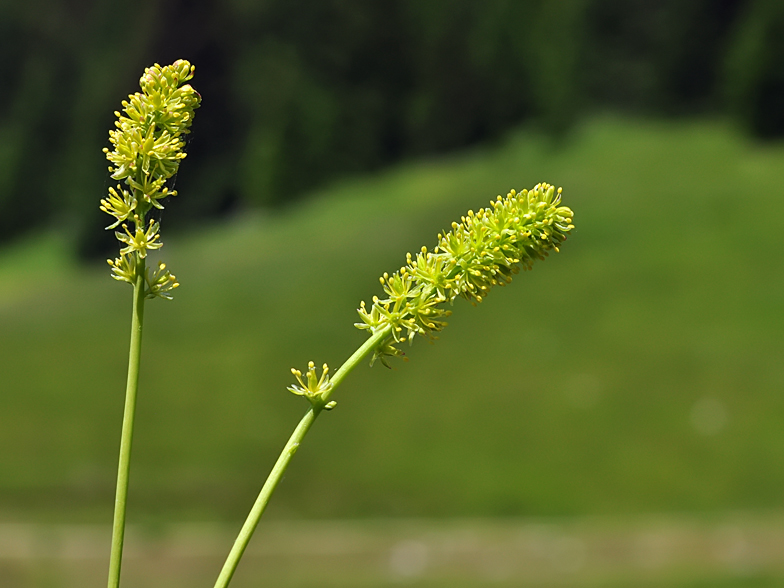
300,91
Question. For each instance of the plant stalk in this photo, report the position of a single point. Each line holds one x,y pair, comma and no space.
118,526
285,457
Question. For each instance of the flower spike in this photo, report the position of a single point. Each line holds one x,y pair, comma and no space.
485,249
147,148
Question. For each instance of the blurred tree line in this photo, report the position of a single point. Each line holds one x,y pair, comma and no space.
299,91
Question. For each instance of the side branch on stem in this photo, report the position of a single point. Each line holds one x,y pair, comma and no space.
285,457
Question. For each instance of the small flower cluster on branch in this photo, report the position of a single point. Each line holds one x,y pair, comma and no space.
485,249
148,148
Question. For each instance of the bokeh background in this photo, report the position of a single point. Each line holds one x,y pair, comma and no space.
613,418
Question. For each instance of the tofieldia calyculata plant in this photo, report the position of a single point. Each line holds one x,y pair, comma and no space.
485,249
147,151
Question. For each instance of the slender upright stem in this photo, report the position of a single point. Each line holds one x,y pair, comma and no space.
118,527
285,457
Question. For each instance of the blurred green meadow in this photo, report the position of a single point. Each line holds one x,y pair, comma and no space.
636,373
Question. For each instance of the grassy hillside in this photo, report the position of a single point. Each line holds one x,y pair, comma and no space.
639,370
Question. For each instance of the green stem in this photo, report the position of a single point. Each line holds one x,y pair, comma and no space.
285,457
118,527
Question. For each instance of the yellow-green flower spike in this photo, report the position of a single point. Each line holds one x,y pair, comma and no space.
147,151
486,248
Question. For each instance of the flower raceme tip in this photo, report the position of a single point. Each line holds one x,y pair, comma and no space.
147,150
485,249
